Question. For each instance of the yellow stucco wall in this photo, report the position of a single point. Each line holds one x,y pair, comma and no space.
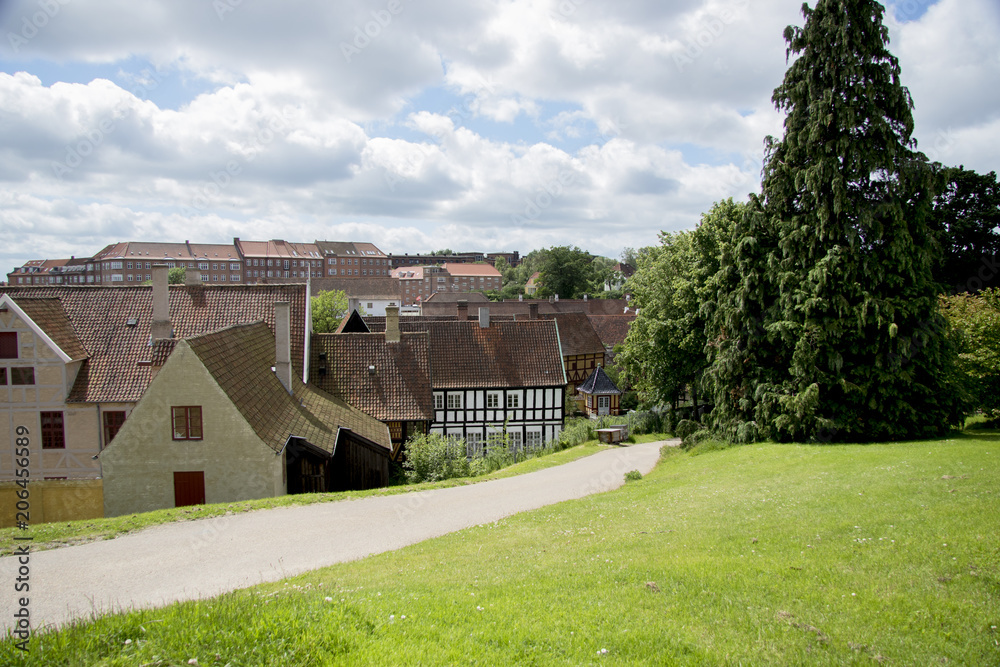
139,464
52,500
21,405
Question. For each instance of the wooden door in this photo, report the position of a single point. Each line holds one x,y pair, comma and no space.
189,488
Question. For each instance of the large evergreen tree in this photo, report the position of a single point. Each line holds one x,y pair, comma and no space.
833,330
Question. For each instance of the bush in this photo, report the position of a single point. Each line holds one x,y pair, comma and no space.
633,475
686,427
432,457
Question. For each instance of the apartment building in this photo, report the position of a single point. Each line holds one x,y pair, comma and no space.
132,262
278,261
417,283
353,260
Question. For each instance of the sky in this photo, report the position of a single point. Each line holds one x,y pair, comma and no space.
424,124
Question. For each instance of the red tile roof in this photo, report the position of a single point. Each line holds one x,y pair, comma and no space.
505,354
576,334
49,315
612,329
508,353
113,324
240,359
399,388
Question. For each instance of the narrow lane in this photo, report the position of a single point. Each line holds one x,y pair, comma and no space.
199,559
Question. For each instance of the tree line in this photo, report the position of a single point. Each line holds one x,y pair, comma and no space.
815,310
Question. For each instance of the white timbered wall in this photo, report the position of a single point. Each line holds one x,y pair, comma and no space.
532,415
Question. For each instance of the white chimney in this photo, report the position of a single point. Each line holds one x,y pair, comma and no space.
160,327
392,324
283,343
192,277
484,318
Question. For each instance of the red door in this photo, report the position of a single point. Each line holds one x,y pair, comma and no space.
189,488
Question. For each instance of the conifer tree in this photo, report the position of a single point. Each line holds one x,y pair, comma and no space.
833,330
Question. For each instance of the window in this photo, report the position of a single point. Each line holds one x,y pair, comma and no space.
234,267
534,440
113,420
22,375
3,376
474,444
203,266
454,401
515,440
128,265
513,401
439,401
53,436
8,345
130,277
187,422
493,400
148,266
234,278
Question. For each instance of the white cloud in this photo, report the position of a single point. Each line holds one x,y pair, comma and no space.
301,137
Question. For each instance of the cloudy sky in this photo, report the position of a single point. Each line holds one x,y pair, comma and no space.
423,124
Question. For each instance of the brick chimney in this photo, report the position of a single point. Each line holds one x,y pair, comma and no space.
463,310
160,327
392,324
484,318
533,310
283,343
192,277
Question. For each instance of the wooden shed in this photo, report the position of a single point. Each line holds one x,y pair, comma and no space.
601,396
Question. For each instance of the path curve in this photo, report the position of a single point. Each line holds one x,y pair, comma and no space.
200,559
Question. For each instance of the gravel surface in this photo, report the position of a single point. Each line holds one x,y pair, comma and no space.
199,559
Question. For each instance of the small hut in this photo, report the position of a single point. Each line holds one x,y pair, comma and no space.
601,396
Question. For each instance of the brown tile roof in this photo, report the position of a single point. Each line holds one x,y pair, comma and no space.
164,251
576,334
398,390
505,354
49,315
345,248
240,359
278,248
612,328
102,316
358,288
455,297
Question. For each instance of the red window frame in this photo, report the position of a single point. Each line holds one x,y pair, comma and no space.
113,420
186,422
8,345
53,430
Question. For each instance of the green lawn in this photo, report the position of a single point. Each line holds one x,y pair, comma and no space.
763,554
54,535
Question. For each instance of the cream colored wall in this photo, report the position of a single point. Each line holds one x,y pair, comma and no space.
20,407
140,462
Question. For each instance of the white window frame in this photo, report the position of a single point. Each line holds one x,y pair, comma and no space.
513,401
493,400
455,401
438,400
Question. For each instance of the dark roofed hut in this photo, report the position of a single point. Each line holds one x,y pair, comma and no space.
601,396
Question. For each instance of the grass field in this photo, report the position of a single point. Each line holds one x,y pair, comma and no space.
763,554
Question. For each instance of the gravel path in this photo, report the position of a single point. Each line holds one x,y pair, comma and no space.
199,559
